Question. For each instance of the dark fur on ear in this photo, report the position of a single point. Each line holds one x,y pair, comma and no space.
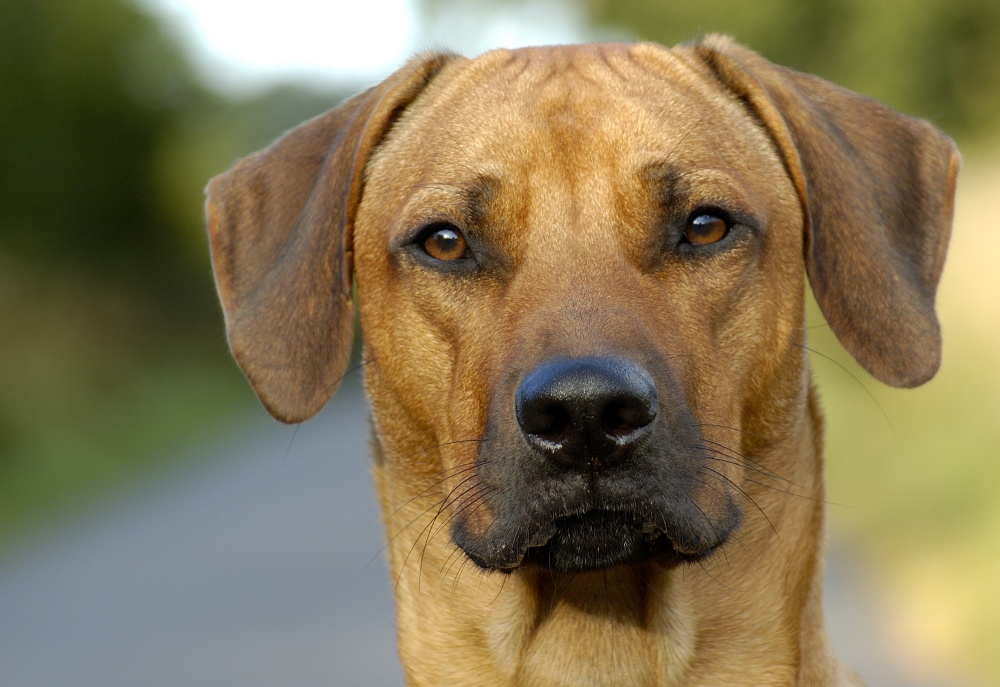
877,190
280,225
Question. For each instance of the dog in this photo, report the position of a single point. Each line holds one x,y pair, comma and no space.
579,271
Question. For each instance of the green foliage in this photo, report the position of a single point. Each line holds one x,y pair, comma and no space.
88,90
110,334
932,58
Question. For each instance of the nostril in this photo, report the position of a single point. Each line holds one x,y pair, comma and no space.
621,418
550,422
612,422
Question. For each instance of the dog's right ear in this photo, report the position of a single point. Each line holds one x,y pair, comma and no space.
877,190
280,225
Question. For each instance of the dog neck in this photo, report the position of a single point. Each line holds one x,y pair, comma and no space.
634,625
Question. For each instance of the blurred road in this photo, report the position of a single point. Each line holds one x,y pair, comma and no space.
258,566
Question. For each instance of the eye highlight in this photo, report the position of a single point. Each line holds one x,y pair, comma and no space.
444,242
705,228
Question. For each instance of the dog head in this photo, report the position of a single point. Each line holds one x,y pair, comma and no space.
580,276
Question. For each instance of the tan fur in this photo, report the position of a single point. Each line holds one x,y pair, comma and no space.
556,158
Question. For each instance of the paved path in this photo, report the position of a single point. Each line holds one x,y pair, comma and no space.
259,566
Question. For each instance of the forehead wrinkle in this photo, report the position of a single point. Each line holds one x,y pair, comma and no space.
480,199
568,128
486,209
544,63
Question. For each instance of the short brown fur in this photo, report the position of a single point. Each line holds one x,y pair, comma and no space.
569,168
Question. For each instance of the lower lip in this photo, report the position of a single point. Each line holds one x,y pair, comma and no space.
599,540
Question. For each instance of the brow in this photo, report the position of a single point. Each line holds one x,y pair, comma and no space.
479,197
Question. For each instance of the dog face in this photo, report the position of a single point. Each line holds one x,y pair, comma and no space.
580,274
582,285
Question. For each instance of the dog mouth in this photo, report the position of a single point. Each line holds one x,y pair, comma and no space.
598,540
599,468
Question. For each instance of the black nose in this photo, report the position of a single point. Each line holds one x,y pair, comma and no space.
586,411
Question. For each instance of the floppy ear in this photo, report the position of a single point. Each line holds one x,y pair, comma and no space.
877,190
280,225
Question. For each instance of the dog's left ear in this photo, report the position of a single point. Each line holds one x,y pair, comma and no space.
877,190
280,224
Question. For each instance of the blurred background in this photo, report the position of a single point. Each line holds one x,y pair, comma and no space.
114,113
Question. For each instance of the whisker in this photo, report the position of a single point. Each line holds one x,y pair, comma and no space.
476,500
444,504
855,378
673,149
503,583
441,445
450,562
436,504
804,497
399,532
426,532
406,558
733,537
701,564
703,513
442,477
745,495
461,568
750,460
742,462
333,385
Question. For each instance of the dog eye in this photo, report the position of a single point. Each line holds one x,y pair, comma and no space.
705,228
445,242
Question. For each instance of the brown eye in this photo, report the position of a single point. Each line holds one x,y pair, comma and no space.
445,243
705,229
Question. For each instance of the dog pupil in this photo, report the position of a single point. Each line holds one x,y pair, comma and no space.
705,229
445,244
